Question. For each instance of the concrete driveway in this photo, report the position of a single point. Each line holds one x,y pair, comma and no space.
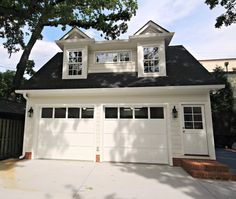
51,179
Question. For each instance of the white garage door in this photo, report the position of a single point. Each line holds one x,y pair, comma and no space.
67,133
136,134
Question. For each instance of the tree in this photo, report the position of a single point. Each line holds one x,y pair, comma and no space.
222,104
6,79
108,16
227,18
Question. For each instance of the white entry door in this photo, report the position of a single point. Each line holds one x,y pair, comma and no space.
194,130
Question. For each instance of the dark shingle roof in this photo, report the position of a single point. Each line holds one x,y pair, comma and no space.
182,70
11,108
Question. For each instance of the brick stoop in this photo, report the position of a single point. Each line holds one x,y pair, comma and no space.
207,169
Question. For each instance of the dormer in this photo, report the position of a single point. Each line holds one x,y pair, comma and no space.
74,45
144,52
152,40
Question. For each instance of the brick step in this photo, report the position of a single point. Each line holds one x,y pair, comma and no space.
212,175
204,165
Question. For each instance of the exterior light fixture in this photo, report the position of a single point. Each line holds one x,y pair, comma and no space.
30,112
174,112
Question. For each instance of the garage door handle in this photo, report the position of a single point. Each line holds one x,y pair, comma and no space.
183,131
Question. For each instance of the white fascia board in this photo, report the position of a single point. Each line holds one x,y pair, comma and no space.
153,35
74,42
168,90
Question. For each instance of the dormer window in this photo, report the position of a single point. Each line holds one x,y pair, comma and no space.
75,62
113,57
150,60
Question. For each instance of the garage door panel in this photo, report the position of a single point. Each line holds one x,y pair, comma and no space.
66,138
135,155
62,126
134,126
67,152
134,140
72,140
141,138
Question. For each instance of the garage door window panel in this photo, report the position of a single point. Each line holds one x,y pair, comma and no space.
156,112
111,113
87,113
141,113
73,112
47,113
60,112
126,113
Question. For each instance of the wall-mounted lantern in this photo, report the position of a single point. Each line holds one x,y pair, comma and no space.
30,112
174,112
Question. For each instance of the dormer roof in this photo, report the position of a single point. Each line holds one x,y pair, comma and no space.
151,28
74,36
75,33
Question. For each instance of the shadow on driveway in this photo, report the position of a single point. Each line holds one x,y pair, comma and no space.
227,157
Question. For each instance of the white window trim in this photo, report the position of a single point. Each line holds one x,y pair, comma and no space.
65,72
113,51
162,59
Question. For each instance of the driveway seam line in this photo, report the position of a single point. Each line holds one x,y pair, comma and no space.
86,178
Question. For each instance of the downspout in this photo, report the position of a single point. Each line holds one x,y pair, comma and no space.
26,108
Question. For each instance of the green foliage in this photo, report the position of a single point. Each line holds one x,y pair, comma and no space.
21,18
6,79
6,86
227,18
222,104
22,22
30,68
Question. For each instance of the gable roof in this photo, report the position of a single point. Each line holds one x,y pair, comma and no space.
75,32
182,70
151,27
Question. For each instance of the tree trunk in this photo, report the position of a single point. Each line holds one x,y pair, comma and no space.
21,66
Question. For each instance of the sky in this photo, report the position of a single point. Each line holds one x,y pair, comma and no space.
192,21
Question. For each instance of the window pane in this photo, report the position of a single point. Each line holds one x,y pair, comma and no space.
47,112
75,56
101,57
126,113
111,57
150,53
188,110
188,125
156,112
75,69
87,112
188,118
73,112
198,125
197,110
60,112
197,117
111,112
124,56
141,113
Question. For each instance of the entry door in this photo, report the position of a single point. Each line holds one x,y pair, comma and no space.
194,130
